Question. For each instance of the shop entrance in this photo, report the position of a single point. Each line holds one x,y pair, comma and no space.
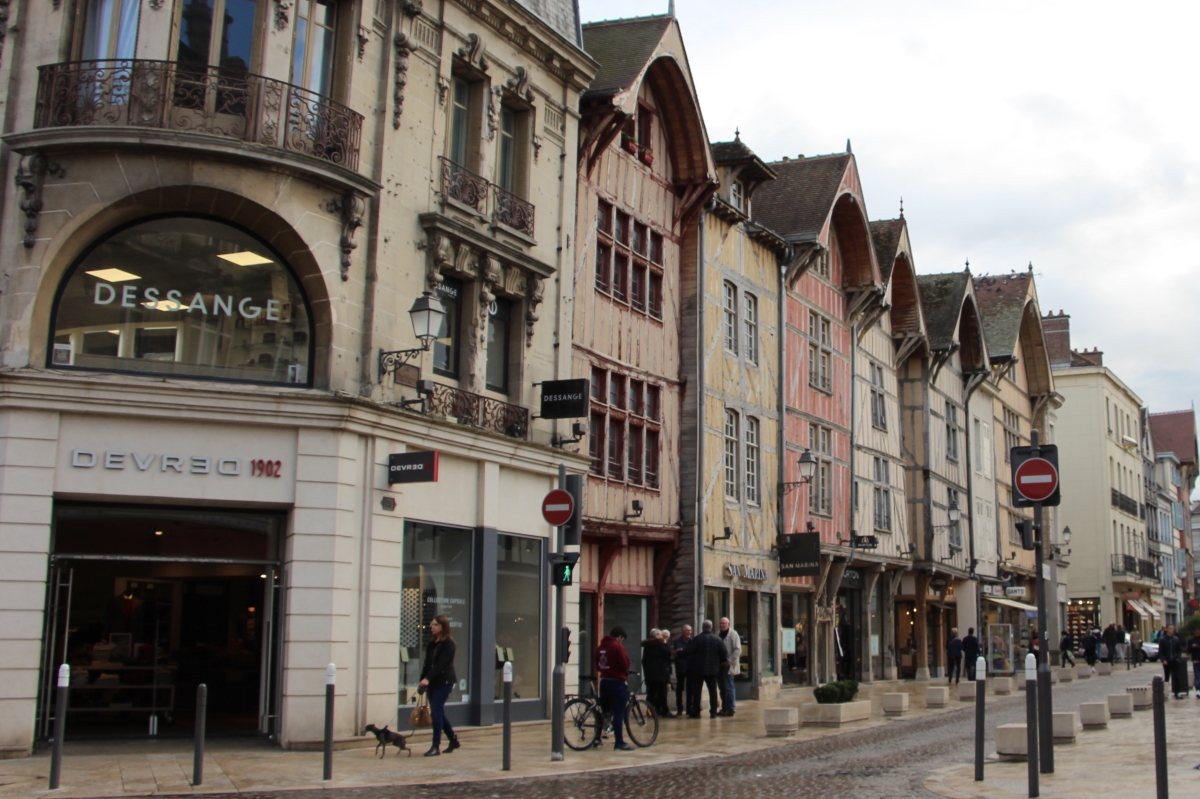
847,634
145,604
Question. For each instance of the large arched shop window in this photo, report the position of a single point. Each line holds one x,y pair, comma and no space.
183,296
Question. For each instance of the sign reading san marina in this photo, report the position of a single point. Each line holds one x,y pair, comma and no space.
413,467
745,572
565,399
800,555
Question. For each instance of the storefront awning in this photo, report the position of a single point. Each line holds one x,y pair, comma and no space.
1011,603
1149,608
1137,607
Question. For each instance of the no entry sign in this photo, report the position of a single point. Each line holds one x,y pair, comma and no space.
558,507
1035,477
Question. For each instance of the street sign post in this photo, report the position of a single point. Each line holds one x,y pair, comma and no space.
1035,475
558,507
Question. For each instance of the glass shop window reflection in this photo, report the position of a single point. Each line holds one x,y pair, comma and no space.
519,570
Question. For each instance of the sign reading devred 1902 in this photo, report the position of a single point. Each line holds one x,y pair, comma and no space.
413,467
1035,478
565,399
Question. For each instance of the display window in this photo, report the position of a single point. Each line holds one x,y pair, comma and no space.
519,570
185,297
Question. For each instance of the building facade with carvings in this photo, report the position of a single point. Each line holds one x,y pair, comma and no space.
217,218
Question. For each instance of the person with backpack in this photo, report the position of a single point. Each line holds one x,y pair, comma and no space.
1066,648
971,651
954,656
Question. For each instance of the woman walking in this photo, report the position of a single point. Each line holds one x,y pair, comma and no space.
438,680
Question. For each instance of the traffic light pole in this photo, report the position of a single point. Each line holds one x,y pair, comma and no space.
558,687
1045,700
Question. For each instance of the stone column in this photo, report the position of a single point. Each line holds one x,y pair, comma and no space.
921,628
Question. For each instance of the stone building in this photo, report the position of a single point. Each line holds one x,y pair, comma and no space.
1174,436
210,232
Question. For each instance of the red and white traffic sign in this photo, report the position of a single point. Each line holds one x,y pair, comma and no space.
558,507
1036,479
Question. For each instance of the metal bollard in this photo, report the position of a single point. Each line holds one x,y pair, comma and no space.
199,734
507,756
1031,721
330,681
60,724
980,692
1160,737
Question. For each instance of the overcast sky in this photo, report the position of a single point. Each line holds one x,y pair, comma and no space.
1066,134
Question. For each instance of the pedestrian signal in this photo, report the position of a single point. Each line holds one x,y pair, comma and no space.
562,568
1026,530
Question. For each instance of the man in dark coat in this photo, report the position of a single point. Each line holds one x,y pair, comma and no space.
970,650
656,668
704,654
1110,642
1090,642
1170,654
1193,648
681,668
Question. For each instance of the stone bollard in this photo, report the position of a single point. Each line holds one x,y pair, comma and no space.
966,691
781,722
895,704
1002,686
1104,669
1093,715
1142,699
1083,672
1066,674
1011,743
1066,727
1120,706
937,696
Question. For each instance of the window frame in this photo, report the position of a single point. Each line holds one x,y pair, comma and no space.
820,350
731,437
882,494
623,423
751,446
952,430
878,396
750,326
820,496
729,315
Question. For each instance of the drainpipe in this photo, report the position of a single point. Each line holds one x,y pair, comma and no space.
781,390
853,429
971,389
701,347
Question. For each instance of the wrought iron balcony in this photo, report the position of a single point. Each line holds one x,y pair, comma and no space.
475,410
216,101
1124,564
1148,568
513,212
1123,503
465,187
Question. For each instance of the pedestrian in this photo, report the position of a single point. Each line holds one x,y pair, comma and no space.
1122,638
1090,642
731,668
1170,653
612,662
1193,648
1066,648
656,667
970,650
1035,643
681,668
705,653
1135,646
1110,642
438,680
954,655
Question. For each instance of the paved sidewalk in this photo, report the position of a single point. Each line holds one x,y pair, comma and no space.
1116,762
144,767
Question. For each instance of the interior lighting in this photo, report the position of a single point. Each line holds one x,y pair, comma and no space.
245,258
113,275
165,305
158,532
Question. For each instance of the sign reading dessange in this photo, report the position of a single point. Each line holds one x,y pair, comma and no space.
565,399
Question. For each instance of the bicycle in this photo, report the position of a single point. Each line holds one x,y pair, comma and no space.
585,724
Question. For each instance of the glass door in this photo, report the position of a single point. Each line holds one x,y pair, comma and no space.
213,91
110,29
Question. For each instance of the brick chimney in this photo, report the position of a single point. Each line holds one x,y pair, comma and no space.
1057,330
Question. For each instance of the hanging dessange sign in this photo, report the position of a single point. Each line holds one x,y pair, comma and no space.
413,467
565,399
800,555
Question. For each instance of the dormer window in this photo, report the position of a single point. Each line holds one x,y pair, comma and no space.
737,197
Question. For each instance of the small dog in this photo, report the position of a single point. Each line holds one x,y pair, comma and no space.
386,737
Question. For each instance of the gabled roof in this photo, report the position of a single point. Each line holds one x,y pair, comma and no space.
1002,300
1175,431
886,235
736,154
942,299
798,203
622,47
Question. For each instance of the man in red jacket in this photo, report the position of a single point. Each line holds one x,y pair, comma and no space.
612,664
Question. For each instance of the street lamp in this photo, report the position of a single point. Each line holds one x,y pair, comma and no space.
428,320
954,512
807,465
1066,534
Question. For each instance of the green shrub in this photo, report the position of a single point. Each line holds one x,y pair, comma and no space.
837,692
1189,624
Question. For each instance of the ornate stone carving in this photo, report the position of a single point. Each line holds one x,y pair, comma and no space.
404,47
31,174
537,147
443,88
472,52
493,112
156,4
534,289
364,36
282,7
518,84
441,253
463,260
350,207
489,276
412,8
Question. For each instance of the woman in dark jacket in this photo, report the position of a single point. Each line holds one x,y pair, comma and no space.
438,680
656,667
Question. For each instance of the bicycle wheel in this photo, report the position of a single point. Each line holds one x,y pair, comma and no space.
581,724
641,722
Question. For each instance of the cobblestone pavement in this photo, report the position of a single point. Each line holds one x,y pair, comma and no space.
887,762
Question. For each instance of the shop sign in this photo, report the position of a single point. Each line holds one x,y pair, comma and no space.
852,578
800,555
735,571
565,399
789,640
989,590
179,464
413,467
1014,591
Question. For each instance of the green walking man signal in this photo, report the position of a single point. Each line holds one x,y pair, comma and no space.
562,568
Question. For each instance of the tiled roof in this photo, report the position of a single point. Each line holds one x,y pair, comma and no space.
735,153
1001,301
886,235
942,299
558,14
1175,431
799,201
621,47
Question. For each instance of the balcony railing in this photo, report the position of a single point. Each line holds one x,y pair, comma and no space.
216,101
464,186
1124,564
1148,568
1125,504
478,411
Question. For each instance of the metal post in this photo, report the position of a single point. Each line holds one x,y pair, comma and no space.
980,693
1160,737
60,724
507,741
558,687
330,681
199,733
1031,722
1045,698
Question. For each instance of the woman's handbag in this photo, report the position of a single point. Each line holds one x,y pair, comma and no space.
420,715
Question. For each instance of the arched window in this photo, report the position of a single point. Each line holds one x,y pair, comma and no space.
186,297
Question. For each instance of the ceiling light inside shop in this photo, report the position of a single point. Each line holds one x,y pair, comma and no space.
113,275
158,532
245,258
165,305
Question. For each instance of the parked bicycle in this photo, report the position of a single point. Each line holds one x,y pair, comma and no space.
586,724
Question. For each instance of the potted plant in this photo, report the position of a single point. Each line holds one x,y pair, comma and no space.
646,155
835,705
629,143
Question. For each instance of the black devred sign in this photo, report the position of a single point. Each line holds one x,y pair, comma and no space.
565,399
800,555
413,467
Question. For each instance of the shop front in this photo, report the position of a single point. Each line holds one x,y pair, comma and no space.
796,640
752,612
1009,625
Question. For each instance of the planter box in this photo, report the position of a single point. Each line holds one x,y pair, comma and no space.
1066,727
1083,672
937,696
1011,742
967,691
781,722
814,714
1142,698
1002,685
1120,706
1104,669
1093,715
1065,674
895,704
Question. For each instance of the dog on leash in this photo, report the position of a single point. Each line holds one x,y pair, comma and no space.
386,737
